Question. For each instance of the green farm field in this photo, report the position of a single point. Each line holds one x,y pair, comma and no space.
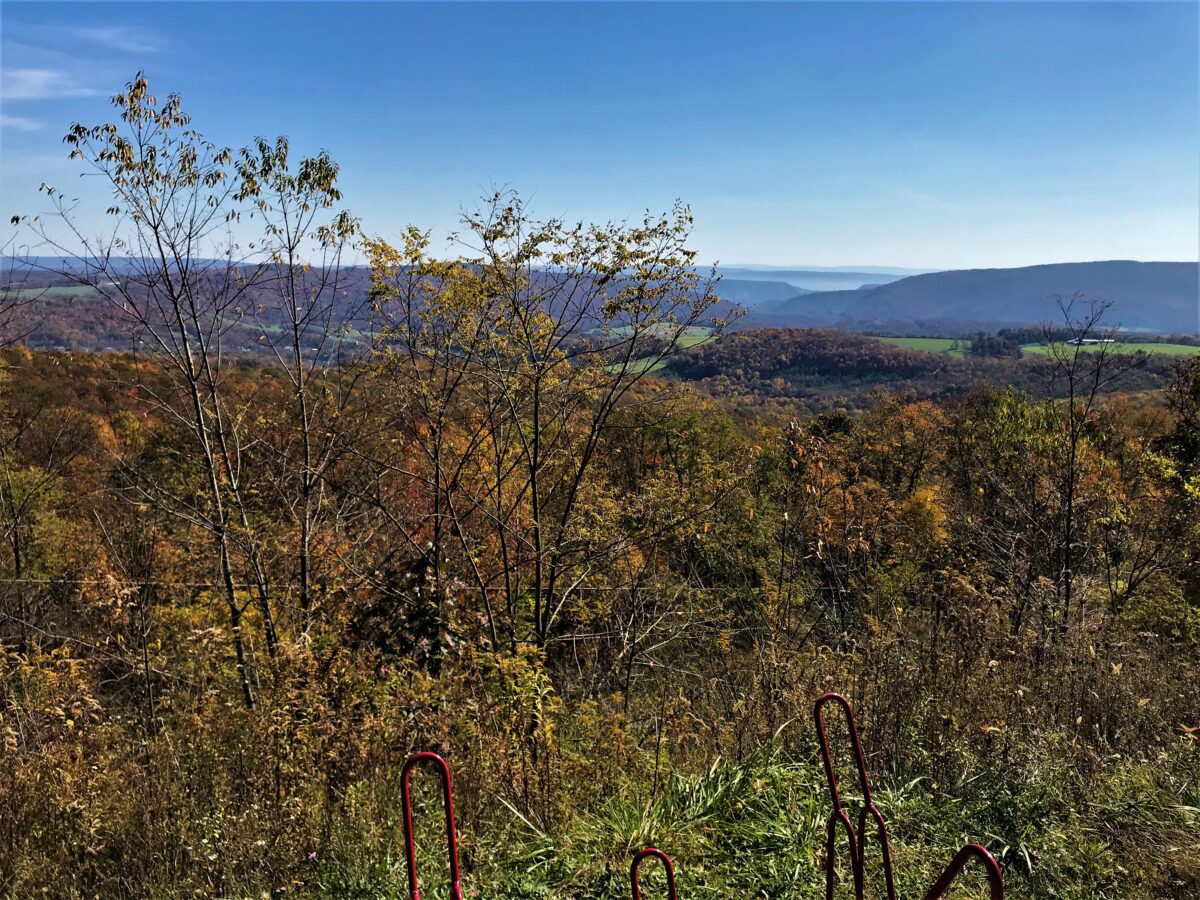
1133,347
56,292
954,347
692,337
951,346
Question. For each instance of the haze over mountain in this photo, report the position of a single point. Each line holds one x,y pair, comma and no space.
817,278
1160,297
876,270
752,291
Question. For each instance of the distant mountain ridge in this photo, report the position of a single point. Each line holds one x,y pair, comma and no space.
1161,297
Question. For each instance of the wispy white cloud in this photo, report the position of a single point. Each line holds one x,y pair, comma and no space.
39,166
120,37
41,84
19,123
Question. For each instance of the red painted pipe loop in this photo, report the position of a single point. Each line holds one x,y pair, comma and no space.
970,852
410,849
668,866
856,839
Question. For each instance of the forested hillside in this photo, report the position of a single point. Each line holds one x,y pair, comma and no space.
236,593
824,369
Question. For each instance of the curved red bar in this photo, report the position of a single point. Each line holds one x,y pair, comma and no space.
672,893
410,850
860,761
857,839
970,852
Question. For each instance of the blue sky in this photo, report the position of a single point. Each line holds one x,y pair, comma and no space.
944,135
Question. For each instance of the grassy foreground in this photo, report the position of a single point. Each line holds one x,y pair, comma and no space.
757,830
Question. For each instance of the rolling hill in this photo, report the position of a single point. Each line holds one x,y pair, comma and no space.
1161,297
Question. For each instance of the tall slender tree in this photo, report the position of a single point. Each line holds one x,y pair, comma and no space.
173,266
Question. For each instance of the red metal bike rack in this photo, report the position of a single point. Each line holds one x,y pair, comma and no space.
672,893
410,849
964,856
857,838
